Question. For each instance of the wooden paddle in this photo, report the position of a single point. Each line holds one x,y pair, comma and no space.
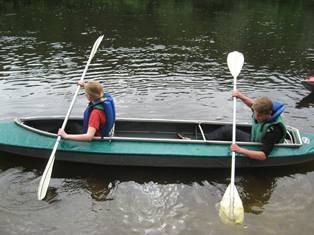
45,179
231,207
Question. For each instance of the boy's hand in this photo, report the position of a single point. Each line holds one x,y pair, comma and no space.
62,133
236,94
235,148
81,83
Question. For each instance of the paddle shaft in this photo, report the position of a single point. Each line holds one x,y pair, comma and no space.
233,142
45,179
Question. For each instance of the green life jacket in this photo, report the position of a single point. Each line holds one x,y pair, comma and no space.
259,129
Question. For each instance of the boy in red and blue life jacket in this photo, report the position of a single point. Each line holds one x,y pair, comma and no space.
99,115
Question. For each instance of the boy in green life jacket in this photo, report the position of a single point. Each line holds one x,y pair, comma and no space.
267,126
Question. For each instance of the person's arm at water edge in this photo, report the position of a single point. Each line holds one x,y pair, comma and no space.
257,155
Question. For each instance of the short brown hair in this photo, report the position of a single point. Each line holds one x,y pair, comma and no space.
94,89
263,105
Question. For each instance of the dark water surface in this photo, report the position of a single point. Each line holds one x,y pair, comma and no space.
160,59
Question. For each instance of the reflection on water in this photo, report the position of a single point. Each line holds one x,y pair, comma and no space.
150,200
160,59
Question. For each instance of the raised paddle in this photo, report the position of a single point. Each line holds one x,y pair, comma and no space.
45,179
231,207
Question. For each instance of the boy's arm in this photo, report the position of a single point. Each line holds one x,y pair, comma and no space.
80,137
257,155
245,99
272,136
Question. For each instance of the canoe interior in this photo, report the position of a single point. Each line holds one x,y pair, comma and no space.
134,128
164,130
147,128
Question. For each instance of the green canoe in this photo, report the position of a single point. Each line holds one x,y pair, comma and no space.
146,142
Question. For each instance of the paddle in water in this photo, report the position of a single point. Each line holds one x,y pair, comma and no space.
45,179
231,207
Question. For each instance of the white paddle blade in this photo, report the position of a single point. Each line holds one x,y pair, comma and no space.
92,53
45,179
231,207
95,47
235,62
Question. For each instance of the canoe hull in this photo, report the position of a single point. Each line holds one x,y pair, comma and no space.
153,152
154,160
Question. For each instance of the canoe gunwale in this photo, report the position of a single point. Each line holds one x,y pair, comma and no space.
20,122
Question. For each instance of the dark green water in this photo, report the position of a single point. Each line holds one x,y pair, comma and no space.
160,59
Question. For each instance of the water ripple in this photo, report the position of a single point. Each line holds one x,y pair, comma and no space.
19,191
152,208
284,203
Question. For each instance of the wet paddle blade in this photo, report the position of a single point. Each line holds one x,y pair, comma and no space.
231,208
45,179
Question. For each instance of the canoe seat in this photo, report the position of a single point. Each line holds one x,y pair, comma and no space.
289,138
292,136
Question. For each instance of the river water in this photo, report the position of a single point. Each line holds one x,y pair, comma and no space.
160,59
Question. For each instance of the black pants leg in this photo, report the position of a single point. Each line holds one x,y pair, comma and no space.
225,133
